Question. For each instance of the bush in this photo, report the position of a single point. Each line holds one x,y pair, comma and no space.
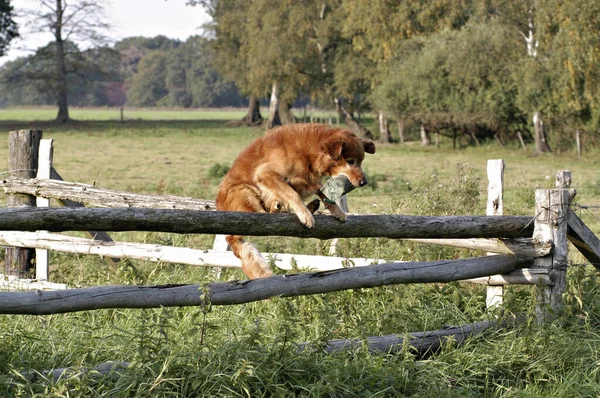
218,171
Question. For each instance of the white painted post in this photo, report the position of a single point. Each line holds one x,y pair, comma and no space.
219,246
495,207
551,209
45,156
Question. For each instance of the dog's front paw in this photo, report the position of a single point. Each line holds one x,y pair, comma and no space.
336,212
306,218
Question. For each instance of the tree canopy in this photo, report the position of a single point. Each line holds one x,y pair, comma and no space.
8,27
477,67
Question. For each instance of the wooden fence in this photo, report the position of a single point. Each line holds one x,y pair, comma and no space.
527,249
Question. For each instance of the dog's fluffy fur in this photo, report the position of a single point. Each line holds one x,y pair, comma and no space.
279,170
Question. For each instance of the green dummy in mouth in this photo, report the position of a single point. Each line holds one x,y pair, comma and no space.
335,188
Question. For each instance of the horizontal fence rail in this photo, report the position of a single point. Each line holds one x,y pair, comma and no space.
263,224
100,197
238,292
170,254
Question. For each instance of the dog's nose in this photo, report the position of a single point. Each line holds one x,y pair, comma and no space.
363,182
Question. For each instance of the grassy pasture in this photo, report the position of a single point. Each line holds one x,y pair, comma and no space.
247,350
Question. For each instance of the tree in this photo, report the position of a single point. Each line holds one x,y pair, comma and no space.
8,27
229,44
569,35
535,94
458,81
376,29
181,75
32,80
80,21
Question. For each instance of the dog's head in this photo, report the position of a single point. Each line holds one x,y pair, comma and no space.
348,152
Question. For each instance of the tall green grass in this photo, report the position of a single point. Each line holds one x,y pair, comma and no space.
250,350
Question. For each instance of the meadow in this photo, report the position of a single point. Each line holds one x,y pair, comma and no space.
249,350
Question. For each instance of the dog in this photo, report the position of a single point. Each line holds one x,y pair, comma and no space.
281,169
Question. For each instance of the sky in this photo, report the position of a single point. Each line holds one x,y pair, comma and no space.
171,18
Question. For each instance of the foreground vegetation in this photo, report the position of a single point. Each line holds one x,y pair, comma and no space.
250,350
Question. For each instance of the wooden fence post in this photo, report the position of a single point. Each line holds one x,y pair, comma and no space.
551,209
495,207
23,148
46,153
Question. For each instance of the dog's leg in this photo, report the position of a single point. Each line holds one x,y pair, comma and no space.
336,211
242,198
253,263
333,208
271,183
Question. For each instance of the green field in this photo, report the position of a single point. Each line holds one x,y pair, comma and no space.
248,350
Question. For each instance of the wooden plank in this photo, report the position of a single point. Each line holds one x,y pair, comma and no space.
583,239
10,282
169,254
76,372
421,343
526,247
523,276
100,197
238,292
23,148
264,224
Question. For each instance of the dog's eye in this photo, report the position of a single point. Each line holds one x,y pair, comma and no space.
351,162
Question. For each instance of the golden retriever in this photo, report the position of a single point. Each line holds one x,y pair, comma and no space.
281,169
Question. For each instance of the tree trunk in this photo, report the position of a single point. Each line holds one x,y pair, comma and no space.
541,144
385,136
253,116
353,124
425,140
401,131
285,113
61,69
274,119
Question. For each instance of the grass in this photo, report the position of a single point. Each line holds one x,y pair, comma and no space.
248,350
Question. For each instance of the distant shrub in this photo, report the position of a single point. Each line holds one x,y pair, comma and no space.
218,171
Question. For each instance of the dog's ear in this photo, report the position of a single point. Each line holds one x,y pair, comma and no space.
369,146
334,148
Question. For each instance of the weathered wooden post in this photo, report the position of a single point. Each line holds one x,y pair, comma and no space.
551,210
23,148
495,207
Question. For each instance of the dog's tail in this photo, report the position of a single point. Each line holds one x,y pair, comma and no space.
253,263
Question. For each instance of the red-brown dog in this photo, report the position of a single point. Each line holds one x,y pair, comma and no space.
277,171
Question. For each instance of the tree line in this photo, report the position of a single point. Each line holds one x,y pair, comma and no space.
476,68
148,72
481,69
